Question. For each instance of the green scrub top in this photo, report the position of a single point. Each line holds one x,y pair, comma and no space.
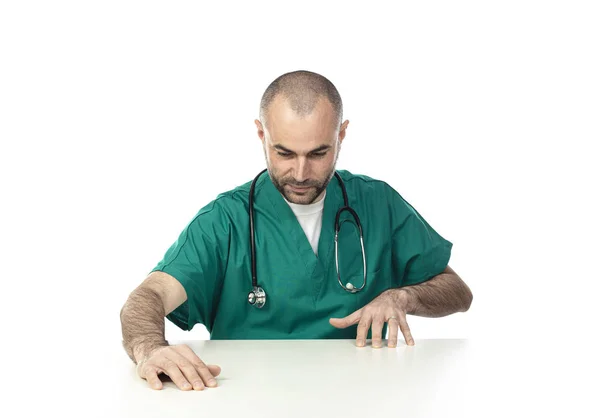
211,259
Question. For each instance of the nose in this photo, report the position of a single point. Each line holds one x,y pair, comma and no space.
301,169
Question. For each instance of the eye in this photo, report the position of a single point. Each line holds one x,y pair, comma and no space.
284,154
318,154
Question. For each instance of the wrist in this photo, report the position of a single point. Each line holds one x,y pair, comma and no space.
144,349
403,299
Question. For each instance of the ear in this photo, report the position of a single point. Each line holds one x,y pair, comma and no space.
261,131
342,133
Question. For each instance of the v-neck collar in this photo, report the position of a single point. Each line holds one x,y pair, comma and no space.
317,267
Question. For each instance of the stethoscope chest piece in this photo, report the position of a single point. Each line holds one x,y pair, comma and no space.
257,297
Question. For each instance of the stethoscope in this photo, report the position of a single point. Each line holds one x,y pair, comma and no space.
257,296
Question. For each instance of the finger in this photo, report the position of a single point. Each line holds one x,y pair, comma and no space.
214,369
351,319
208,378
151,377
376,328
171,369
362,330
405,330
189,370
393,332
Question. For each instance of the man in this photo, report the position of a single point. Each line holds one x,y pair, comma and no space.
205,276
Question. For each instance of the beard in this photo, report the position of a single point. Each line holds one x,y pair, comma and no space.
305,197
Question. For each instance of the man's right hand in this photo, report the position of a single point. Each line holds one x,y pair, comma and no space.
181,364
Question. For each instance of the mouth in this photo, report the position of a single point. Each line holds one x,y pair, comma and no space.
299,189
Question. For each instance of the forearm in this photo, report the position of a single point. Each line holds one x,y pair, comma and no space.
143,323
442,295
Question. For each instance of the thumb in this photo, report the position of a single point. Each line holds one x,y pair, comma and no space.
351,319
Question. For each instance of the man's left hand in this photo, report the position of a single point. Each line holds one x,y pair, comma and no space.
390,306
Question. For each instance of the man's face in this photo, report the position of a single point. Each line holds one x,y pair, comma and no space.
301,152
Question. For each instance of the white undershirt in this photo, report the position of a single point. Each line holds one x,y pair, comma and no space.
310,218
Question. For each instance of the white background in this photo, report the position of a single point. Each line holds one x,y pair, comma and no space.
119,120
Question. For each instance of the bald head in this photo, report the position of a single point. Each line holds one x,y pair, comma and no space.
301,133
301,90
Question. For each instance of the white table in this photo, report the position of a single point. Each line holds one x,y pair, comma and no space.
326,378
287,378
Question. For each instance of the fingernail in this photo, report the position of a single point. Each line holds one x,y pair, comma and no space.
360,343
198,385
157,385
186,386
212,382
376,345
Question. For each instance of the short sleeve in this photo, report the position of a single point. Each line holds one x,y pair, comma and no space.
418,251
197,260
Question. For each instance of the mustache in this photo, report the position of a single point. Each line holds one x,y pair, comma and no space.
309,183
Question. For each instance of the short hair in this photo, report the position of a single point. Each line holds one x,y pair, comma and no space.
302,90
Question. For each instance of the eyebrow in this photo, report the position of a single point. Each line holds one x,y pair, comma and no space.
319,149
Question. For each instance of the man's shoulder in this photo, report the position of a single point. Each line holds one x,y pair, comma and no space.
368,189
226,203
237,192
235,198
363,182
